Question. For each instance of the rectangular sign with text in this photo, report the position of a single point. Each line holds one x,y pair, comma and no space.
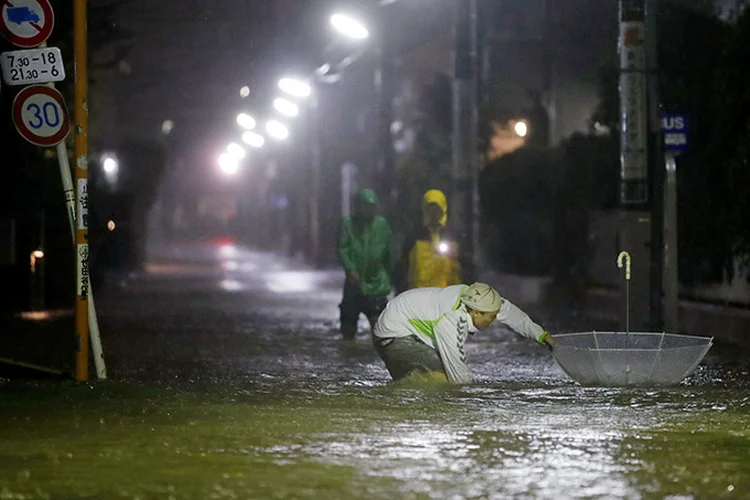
26,67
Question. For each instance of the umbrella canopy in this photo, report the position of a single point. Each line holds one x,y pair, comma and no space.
629,359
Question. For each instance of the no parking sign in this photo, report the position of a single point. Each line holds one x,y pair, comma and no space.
40,116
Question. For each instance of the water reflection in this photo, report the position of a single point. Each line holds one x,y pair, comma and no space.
253,394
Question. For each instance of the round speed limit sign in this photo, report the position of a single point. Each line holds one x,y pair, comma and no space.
39,115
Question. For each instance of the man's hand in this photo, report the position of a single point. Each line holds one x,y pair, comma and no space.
546,339
352,277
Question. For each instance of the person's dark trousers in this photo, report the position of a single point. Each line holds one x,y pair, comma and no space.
356,302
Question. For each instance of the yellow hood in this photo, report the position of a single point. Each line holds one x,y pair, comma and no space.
435,196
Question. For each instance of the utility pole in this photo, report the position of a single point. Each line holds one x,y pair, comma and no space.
314,199
464,208
83,288
384,88
657,162
635,219
550,71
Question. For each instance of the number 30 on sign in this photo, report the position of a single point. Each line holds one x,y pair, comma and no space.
40,116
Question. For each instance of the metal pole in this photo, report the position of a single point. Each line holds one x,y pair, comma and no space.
473,139
70,203
81,178
671,292
633,103
550,71
315,180
384,89
635,217
461,205
657,161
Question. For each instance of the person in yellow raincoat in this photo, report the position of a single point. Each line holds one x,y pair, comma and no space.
430,257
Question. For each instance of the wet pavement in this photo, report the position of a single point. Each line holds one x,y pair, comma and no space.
229,380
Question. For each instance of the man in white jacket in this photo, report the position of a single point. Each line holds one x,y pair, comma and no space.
425,329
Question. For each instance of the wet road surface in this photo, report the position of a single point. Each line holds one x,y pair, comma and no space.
230,380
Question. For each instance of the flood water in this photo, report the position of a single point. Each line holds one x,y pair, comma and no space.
230,381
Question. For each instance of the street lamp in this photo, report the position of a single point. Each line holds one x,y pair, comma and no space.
111,167
277,130
236,151
244,91
167,126
246,121
285,107
349,26
521,128
253,139
228,164
295,87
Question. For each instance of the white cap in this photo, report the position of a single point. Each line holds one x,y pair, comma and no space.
481,297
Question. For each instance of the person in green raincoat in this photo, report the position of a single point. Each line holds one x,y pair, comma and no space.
366,253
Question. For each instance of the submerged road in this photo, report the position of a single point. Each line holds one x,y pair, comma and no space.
229,380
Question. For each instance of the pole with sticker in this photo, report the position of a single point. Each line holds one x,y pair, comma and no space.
81,185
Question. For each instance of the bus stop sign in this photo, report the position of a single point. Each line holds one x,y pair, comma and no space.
676,133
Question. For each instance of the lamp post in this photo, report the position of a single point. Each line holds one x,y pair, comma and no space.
350,28
465,168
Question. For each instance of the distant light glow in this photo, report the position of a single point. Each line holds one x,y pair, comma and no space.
246,121
285,107
236,151
323,69
290,282
228,252
167,126
443,247
111,225
294,87
349,27
110,165
521,128
38,254
253,139
245,91
277,130
228,164
231,285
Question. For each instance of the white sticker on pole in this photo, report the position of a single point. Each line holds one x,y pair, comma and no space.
25,67
82,256
40,116
83,204
26,23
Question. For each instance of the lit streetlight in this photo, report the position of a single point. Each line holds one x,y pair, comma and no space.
236,151
253,139
349,26
245,91
246,121
228,164
110,166
285,107
521,128
167,126
294,87
277,130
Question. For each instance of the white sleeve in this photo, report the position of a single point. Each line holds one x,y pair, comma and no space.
518,321
450,336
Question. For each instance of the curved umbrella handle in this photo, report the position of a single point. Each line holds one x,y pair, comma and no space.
626,257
